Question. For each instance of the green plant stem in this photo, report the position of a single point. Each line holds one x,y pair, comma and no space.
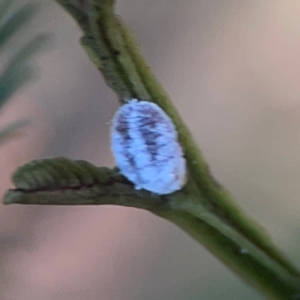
181,208
203,208
115,53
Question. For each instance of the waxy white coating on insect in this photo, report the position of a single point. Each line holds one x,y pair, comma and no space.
146,148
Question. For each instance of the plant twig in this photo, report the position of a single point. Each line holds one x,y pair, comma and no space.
203,208
62,181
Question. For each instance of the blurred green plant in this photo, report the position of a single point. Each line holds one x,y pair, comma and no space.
203,208
17,71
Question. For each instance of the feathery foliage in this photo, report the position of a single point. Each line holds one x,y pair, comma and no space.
16,72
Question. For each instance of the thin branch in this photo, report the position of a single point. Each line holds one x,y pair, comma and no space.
114,51
202,208
62,181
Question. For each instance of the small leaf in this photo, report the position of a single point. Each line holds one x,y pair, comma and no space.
15,22
62,181
12,80
26,51
17,72
12,130
59,173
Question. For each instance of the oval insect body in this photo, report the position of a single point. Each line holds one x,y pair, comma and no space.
146,149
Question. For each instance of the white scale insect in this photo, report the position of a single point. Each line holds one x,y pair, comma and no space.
146,148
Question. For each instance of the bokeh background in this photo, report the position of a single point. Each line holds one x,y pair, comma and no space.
233,70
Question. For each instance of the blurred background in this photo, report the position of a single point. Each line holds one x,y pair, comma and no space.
233,69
